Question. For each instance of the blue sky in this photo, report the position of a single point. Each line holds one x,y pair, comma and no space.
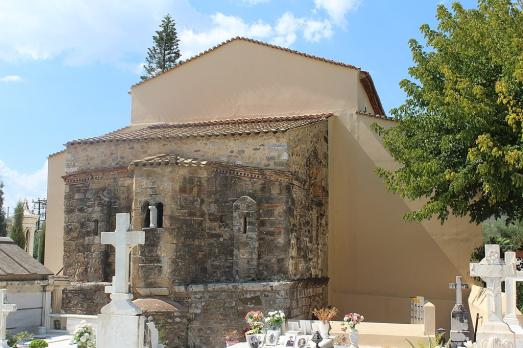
66,66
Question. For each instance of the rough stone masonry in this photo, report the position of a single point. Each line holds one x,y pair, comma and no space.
242,221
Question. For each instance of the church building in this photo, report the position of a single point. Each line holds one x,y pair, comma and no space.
259,165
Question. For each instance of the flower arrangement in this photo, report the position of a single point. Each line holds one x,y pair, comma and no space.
84,337
275,319
255,321
352,319
325,314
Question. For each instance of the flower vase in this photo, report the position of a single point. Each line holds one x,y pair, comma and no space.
272,336
354,337
254,340
324,328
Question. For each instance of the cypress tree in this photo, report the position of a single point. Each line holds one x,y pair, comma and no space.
17,230
165,51
3,225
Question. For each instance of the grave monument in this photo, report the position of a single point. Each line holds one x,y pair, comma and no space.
120,323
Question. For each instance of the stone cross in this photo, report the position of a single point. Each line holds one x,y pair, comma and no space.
492,270
123,241
5,309
458,285
459,323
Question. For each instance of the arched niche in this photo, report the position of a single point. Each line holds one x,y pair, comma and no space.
245,230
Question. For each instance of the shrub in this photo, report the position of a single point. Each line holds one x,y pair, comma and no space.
38,343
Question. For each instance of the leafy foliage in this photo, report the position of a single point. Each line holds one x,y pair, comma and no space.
3,224
165,52
431,343
38,343
459,137
13,340
17,230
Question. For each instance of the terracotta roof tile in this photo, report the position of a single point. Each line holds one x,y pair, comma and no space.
243,126
303,54
168,159
384,117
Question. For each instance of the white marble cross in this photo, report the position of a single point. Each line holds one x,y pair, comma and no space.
458,285
5,309
123,241
493,271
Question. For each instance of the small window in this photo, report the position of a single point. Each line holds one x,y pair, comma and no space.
159,208
245,224
146,214
96,228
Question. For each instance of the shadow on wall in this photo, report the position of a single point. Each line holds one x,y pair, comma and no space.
377,261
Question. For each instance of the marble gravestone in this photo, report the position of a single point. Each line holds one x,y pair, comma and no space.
5,309
459,317
492,270
120,323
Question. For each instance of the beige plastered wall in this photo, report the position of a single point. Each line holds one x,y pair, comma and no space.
54,235
376,260
243,79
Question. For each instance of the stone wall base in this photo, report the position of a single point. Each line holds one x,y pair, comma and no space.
211,311
216,309
84,298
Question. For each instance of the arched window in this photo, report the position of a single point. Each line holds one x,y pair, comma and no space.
96,227
159,222
146,215
245,229
27,240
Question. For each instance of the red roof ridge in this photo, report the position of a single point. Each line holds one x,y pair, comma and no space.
237,126
370,114
258,42
242,120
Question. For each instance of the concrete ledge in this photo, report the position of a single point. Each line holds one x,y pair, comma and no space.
250,286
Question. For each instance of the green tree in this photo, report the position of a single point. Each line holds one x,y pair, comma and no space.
17,230
39,244
165,52
459,136
3,223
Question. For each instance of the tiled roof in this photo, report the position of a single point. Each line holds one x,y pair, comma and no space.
168,159
244,126
303,54
16,264
364,113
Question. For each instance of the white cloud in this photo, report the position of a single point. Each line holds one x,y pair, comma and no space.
288,27
316,30
337,9
19,186
118,32
82,31
223,27
285,32
11,78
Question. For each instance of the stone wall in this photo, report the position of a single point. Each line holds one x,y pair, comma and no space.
170,319
215,309
308,160
260,150
249,225
84,298
92,200
198,242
